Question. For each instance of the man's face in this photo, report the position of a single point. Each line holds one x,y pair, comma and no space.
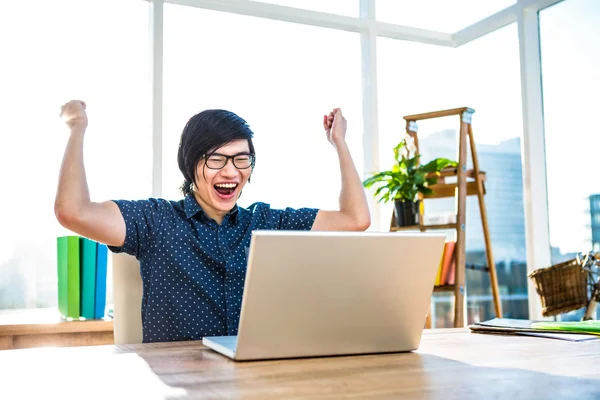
218,187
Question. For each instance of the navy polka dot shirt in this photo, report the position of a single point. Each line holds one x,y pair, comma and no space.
192,268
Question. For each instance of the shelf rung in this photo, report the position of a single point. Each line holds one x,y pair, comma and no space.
442,190
438,114
451,172
444,288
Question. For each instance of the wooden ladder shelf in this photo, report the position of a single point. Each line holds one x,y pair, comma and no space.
468,182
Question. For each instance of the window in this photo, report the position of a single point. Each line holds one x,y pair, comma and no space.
281,78
485,76
53,52
438,15
570,59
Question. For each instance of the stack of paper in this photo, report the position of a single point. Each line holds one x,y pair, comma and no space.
573,331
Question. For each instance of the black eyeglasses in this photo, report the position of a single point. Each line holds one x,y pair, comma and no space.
240,161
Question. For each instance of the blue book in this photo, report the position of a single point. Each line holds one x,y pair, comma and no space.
88,277
101,263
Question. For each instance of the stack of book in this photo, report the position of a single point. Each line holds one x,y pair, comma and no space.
81,266
446,269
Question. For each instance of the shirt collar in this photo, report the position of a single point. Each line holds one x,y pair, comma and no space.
192,208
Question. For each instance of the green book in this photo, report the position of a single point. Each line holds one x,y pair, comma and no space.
592,326
87,249
68,275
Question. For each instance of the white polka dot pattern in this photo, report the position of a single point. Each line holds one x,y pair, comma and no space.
193,269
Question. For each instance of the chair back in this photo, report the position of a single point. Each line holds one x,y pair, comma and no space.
127,297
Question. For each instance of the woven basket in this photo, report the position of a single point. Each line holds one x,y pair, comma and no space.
562,287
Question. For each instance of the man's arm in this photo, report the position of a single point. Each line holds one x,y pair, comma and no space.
354,210
102,222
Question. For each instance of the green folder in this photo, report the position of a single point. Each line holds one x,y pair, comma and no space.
68,275
87,250
592,326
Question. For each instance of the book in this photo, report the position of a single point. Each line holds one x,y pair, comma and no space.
68,265
101,267
591,327
447,263
87,250
438,276
452,272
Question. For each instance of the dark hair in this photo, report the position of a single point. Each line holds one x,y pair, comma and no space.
204,133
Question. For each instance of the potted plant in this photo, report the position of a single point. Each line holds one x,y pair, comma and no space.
406,180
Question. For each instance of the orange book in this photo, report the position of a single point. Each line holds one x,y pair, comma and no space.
438,277
448,263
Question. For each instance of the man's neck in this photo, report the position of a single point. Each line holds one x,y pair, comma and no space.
210,212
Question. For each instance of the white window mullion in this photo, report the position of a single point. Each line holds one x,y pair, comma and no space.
156,54
368,45
535,191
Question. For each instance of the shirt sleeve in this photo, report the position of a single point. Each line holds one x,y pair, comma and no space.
142,221
300,219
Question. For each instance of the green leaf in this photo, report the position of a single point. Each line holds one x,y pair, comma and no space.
431,181
419,178
378,191
425,190
411,162
398,150
438,164
380,177
386,197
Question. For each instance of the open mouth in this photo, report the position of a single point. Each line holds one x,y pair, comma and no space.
225,190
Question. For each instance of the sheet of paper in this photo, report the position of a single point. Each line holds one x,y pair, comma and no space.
572,337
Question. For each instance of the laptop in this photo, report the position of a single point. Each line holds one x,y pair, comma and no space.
310,294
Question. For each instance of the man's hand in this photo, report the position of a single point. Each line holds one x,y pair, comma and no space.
74,115
335,126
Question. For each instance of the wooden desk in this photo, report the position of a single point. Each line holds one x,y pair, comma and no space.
44,327
450,364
